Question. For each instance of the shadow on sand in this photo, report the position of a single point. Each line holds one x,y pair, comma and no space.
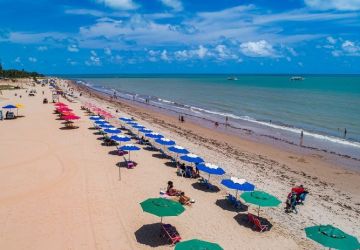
243,220
150,235
202,187
69,128
226,205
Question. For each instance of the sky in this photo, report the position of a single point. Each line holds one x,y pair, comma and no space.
181,36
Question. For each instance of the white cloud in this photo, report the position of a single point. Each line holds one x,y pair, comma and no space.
201,52
351,48
85,12
94,60
331,40
176,5
42,48
350,5
164,56
224,53
258,49
17,60
71,62
32,59
107,51
73,48
119,4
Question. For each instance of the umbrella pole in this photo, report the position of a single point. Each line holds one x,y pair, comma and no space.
209,178
119,174
259,212
129,156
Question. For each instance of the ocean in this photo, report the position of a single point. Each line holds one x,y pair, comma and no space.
322,106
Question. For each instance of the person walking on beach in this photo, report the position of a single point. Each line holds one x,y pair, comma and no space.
301,138
226,121
345,132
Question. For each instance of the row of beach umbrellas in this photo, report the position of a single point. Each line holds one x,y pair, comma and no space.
326,235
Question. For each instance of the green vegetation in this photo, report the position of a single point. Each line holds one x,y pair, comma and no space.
13,73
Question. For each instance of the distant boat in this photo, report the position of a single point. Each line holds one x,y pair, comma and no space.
297,78
232,78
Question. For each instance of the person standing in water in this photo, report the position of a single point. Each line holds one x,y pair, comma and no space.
226,121
301,138
345,132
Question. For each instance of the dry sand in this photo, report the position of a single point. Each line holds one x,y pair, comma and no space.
60,189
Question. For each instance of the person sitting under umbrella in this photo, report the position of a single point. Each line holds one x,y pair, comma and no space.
185,200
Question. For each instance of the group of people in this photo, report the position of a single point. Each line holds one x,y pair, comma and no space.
296,197
188,171
182,198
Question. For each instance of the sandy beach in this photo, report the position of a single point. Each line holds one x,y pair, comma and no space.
61,188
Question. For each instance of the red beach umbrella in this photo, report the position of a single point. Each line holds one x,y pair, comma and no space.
71,117
58,104
62,109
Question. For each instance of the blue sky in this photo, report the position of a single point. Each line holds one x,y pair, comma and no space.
181,36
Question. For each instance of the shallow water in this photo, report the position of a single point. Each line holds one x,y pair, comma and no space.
321,105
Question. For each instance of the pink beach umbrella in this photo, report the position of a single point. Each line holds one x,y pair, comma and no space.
71,117
63,109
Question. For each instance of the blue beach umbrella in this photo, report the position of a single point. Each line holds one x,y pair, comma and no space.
131,123
137,126
95,118
191,158
125,119
164,141
120,138
129,147
154,135
10,106
210,169
178,150
145,130
101,121
238,185
105,126
112,131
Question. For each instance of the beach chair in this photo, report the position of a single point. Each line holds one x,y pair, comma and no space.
251,218
169,232
130,164
180,172
121,152
260,226
206,184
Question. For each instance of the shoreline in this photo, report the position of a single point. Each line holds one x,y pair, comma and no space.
246,132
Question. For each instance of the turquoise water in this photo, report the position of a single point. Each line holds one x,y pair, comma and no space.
320,105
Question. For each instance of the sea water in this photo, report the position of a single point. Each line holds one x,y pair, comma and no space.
322,106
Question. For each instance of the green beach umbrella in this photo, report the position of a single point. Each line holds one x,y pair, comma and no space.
261,199
332,237
197,245
162,207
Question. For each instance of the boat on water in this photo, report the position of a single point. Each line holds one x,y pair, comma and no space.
232,78
297,78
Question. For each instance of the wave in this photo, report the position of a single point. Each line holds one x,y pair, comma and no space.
201,111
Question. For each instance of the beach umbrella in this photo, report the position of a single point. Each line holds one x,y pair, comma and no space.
138,126
165,142
112,131
60,104
178,150
120,138
238,184
101,121
95,118
261,199
145,130
192,158
129,147
131,123
106,125
196,244
332,237
154,135
162,207
125,119
18,106
70,117
210,169
10,106
61,109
